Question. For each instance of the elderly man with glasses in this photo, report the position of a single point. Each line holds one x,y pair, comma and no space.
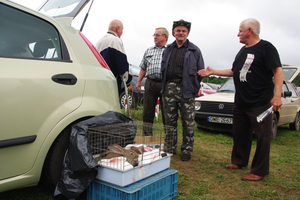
180,85
150,67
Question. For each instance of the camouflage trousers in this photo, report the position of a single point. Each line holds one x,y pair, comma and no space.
172,102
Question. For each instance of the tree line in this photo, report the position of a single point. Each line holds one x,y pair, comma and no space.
214,79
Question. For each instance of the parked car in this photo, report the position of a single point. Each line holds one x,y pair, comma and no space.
134,97
51,78
215,112
214,86
206,89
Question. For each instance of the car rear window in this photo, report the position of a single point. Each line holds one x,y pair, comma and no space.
23,35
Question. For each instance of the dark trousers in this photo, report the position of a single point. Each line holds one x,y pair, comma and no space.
244,125
151,94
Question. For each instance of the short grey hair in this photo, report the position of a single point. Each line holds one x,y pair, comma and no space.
253,24
164,31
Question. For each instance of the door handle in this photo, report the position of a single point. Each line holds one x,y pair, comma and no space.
65,79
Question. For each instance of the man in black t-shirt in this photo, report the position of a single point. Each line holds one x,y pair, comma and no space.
253,70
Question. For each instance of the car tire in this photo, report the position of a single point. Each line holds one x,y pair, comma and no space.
53,165
123,98
274,126
296,124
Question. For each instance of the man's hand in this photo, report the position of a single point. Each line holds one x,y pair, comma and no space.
278,81
210,71
140,78
276,103
206,72
129,87
138,86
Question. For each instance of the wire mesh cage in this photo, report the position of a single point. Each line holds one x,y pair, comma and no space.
127,145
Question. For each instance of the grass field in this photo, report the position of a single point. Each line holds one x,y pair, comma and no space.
205,177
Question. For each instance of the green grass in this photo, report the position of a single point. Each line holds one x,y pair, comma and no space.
210,180
205,177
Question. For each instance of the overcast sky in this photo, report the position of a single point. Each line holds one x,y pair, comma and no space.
214,27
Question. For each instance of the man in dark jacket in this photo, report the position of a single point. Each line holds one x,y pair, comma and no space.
180,85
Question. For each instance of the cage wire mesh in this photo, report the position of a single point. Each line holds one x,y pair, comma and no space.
127,145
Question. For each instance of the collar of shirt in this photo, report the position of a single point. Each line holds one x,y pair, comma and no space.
155,47
113,33
185,44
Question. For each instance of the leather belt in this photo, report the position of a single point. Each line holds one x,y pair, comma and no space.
155,80
175,81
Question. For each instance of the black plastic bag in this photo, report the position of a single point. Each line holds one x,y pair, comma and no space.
80,168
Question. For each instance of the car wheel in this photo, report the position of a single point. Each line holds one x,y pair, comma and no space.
295,125
123,99
274,126
53,165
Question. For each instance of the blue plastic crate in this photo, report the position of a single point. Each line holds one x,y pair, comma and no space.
162,185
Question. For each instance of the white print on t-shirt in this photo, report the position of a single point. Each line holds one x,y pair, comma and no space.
245,69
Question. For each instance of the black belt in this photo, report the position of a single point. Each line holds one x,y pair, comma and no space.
175,81
155,80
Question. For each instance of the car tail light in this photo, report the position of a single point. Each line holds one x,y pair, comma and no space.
95,52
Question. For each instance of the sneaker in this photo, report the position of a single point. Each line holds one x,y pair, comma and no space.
186,157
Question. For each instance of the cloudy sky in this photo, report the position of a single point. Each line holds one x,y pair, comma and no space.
214,27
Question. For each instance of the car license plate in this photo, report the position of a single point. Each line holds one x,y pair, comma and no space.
222,120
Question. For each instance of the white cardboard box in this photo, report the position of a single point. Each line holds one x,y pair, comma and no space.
124,178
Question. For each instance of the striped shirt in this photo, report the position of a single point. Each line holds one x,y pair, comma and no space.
151,62
176,61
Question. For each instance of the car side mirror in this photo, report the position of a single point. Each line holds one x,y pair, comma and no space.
287,94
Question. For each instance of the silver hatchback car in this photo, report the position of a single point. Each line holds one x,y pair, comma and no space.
51,78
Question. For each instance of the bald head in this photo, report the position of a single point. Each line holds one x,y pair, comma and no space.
116,26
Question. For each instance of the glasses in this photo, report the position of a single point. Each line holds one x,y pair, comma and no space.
157,35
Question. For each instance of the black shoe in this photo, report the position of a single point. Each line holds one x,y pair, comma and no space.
186,157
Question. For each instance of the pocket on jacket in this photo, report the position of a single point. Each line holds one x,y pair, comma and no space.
193,70
193,79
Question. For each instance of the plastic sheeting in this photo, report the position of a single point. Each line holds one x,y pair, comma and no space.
80,168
